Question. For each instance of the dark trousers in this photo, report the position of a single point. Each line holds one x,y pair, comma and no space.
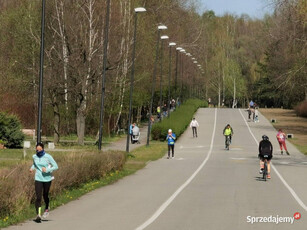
42,188
194,129
171,147
226,139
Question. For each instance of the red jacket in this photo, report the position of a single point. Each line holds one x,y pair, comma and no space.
281,137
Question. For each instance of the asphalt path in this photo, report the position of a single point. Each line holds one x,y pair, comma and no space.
204,187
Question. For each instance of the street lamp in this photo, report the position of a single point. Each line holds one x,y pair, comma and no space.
105,53
169,76
41,73
176,72
136,11
182,67
164,37
160,27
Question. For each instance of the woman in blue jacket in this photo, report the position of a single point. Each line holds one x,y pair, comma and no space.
44,165
171,137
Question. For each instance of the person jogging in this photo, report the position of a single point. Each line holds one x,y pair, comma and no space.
44,165
194,124
281,138
171,137
265,148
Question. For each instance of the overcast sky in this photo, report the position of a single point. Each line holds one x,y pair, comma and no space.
254,8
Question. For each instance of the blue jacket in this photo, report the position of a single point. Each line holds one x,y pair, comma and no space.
171,139
45,161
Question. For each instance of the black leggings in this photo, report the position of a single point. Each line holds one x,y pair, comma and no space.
171,147
39,188
194,129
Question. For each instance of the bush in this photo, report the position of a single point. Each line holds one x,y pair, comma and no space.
17,184
301,109
178,120
10,131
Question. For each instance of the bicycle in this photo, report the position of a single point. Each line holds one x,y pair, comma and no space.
265,168
227,142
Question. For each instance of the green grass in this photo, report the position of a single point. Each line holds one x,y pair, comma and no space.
303,149
142,155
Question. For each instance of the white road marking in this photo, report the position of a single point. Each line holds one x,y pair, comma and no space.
296,197
179,159
284,163
185,184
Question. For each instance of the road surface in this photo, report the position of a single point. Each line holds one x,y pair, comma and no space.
204,187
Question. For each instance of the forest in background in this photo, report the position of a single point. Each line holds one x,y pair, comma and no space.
242,58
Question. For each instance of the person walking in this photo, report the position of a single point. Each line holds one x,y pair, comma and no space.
281,138
159,112
43,165
194,124
256,115
131,132
171,137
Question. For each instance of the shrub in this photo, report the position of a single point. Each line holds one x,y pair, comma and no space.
17,184
178,120
301,109
10,131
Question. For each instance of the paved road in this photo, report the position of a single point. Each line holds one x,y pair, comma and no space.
204,187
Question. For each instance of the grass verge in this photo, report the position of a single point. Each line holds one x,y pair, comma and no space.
141,156
289,122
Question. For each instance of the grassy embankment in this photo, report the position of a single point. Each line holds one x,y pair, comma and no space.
13,160
290,123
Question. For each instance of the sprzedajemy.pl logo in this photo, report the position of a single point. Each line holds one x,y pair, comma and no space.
273,219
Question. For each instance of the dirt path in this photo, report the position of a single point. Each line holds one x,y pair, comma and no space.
121,144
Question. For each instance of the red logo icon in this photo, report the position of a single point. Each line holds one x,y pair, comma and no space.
297,215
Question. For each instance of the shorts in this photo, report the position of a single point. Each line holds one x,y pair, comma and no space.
262,158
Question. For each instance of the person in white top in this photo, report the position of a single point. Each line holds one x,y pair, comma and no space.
194,124
256,115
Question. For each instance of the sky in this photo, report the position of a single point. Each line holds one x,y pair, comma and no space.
254,8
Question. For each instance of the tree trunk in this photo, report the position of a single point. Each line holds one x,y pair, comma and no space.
80,120
56,122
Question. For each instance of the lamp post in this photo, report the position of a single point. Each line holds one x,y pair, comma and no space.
136,11
161,27
41,74
176,70
169,76
181,90
164,37
105,53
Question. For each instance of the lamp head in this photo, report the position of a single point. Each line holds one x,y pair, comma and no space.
139,9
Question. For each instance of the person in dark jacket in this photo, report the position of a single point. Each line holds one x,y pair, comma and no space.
265,148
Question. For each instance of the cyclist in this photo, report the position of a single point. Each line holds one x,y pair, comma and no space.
265,148
228,131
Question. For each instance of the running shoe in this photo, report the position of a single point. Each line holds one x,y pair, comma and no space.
46,214
38,219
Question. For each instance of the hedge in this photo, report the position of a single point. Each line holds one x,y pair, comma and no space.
10,131
178,120
301,109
